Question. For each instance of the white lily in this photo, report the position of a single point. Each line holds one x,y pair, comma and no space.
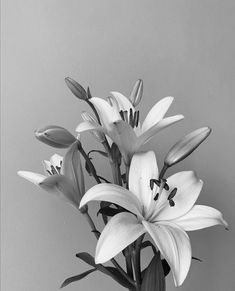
64,177
164,214
120,121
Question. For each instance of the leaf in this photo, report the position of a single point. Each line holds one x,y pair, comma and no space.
196,259
154,278
87,258
76,278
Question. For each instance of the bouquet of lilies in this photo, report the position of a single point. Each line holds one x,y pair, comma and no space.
141,207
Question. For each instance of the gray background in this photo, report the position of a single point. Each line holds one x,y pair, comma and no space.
179,48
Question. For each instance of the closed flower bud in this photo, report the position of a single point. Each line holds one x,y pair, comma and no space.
55,136
76,89
136,93
97,134
186,146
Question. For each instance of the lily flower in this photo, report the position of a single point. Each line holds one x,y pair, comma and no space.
120,121
64,176
165,209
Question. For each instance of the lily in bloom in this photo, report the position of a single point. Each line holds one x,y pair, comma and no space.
165,209
64,176
120,121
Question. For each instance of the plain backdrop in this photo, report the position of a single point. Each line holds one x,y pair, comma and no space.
180,48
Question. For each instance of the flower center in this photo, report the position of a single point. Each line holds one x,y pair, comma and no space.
162,184
130,117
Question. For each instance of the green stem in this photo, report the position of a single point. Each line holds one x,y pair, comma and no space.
91,166
127,175
136,260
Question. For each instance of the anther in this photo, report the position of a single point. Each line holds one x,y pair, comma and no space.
151,184
156,197
125,115
122,115
172,203
53,170
49,172
172,194
131,118
58,169
137,118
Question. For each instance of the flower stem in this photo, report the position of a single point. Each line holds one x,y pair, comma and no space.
136,260
91,166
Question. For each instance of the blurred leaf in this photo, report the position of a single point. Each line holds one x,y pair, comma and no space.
76,278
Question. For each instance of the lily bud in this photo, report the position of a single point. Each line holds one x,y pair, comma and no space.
136,93
186,146
76,89
55,136
97,134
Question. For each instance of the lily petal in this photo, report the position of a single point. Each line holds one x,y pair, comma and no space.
62,187
32,177
157,112
121,230
173,243
114,194
47,166
107,113
200,216
125,138
56,160
164,123
89,126
123,102
188,189
143,168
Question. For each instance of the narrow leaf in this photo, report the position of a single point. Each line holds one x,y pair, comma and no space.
87,258
196,259
76,278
